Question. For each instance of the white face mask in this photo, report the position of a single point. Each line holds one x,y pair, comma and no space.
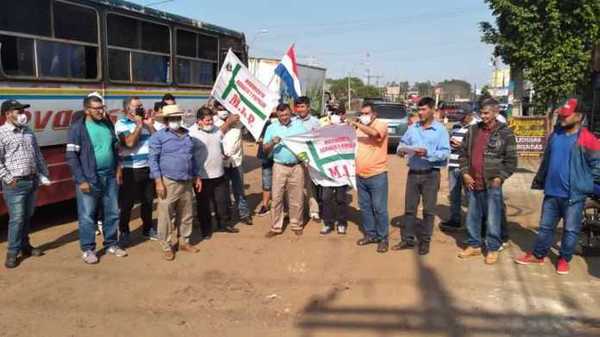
365,119
223,114
22,119
207,127
336,119
174,125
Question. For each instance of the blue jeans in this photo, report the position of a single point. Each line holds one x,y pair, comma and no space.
20,201
267,175
455,187
486,204
553,209
105,192
235,175
372,200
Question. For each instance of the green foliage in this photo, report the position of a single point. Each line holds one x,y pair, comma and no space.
424,88
455,88
358,89
551,40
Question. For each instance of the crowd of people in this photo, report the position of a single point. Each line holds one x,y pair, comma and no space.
145,156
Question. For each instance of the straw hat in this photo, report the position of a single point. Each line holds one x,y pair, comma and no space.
172,110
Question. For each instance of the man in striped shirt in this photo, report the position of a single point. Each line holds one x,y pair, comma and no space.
454,177
134,131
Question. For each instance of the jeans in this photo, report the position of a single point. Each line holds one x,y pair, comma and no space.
486,206
20,201
373,203
334,205
553,209
137,185
425,186
104,192
267,175
455,186
215,192
236,176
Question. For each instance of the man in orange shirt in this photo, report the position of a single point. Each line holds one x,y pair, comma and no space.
371,177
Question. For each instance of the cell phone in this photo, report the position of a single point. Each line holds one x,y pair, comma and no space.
140,112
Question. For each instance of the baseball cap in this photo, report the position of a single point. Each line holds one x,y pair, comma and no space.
569,108
12,104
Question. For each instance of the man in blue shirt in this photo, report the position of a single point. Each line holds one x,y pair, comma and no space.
173,166
288,173
429,141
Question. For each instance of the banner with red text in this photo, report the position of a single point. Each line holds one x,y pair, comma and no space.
243,94
329,152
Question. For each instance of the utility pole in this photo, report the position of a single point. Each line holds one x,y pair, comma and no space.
349,95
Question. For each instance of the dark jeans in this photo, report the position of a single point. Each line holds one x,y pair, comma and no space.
235,175
455,186
20,201
105,193
373,203
554,209
420,186
214,192
137,185
485,205
334,205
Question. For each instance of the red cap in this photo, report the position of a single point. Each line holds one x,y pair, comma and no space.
569,108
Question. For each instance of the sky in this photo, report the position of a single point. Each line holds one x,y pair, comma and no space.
399,40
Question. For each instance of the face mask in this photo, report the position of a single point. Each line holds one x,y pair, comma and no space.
207,127
336,119
174,125
21,119
365,119
223,114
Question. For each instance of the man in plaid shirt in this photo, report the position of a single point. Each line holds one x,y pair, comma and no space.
22,169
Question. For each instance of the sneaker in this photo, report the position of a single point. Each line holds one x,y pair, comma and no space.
151,235
246,221
315,216
89,257
169,254
450,226
116,251
562,266
528,259
504,246
326,229
124,241
263,211
491,257
382,246
11,261
469,252
342,229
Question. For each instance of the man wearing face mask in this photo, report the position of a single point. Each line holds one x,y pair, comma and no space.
209,153
92,155
488,156
309,122
233,156
22,168
430,141
569,169
134,131
173,166
372,178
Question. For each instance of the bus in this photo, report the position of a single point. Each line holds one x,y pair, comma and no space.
53,53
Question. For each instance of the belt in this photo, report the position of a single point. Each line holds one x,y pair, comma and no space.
29,177
421,172
288,164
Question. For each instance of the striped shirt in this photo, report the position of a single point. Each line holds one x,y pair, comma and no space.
458,134
137,156
20,154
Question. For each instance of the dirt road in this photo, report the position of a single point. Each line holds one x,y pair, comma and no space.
246,285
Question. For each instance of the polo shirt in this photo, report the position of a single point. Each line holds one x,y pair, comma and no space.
136,157
281,154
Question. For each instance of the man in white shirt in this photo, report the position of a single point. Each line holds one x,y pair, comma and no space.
309,122
233,156
207,144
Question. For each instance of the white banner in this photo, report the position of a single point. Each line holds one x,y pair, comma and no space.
330,153
244,95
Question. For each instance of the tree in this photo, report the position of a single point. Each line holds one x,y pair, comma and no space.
551,40
339,88
424,88
452,89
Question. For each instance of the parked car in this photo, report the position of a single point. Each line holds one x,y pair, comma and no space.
396,117
455,111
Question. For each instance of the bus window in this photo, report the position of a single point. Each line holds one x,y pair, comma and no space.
196,58
16,55
75,23
26,17
65,60
138,50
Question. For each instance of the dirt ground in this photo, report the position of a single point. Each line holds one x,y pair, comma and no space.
246,285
